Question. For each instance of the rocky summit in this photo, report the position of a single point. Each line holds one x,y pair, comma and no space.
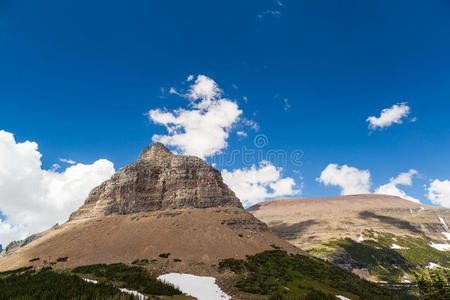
159,180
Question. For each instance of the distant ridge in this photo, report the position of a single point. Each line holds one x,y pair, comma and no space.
367,234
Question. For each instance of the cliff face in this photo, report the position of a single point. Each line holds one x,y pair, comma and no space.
158,180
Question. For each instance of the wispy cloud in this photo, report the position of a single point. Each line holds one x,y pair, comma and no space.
67,161
286,104
270,13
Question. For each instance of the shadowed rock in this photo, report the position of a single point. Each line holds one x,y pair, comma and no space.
292,231
399,223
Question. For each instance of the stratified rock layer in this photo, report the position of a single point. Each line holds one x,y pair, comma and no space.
158,180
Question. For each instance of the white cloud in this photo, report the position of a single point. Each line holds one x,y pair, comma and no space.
392,189
241,133
33,199
190,78
205,89
258,183
389,116
351,180
203,130
439,192
286,104
269,12
250,123
67,161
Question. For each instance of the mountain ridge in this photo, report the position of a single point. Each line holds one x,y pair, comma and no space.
161,204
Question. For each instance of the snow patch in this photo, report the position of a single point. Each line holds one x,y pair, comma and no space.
440,247
447,235
134,293
443,223
201,287
395,246
123,290
342,297
432,265
90,280
406,281
360,239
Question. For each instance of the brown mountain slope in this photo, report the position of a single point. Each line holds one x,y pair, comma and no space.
379,237
162,203
307,222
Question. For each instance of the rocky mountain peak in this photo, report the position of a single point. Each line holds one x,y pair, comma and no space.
159,180
157,153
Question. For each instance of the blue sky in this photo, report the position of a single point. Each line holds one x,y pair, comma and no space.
79,78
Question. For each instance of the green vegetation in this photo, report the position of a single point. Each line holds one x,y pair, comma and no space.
140,262
386,263
320,252
281,275
13,272
177,260
62,259
34,259
240,235
417,250
135,278
164,255
433,284
381,261
28,284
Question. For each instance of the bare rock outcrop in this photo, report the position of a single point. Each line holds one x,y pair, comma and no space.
158,180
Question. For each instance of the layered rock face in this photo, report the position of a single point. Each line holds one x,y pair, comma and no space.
158,180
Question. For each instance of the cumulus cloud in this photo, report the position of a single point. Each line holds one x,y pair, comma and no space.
33,199
259,183
392,189
204,129
389,116
351,180
439,192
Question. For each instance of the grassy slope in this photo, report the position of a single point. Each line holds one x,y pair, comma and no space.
279,275
388,264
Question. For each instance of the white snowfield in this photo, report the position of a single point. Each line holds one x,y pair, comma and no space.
123,290
201,287
440,247
342,297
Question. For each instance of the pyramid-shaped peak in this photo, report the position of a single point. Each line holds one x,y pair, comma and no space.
156,153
